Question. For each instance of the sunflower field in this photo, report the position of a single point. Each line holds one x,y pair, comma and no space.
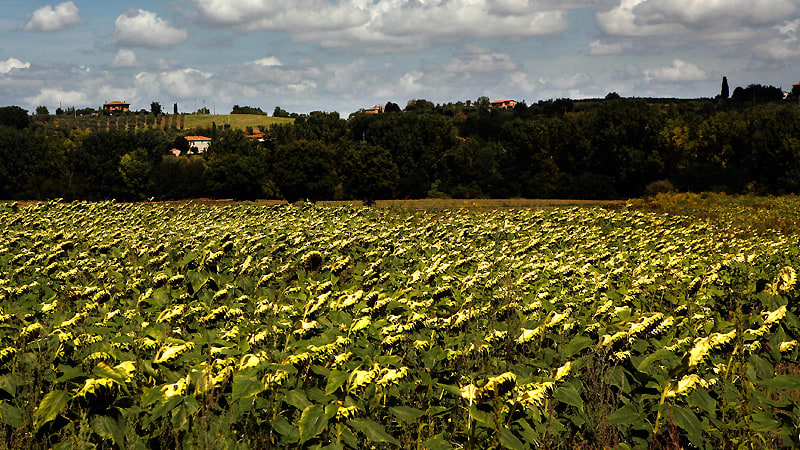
298,326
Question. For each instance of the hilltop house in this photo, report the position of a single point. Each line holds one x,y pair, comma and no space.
116,107
377,109
198,144
504,104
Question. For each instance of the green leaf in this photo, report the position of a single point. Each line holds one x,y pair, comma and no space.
297,399
10,415
624,416
284,428
103,370
312,422
483,418
658,355
406,413
701,399
151,395
763,421
336,379
687,420
51,406
453,390
569,395
508,440
108,428
577,344
373,431
437,442
244,387
785,382
9,383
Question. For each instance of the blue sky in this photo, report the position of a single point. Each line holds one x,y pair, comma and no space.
342,55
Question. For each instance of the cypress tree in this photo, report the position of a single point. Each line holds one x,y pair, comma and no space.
725,94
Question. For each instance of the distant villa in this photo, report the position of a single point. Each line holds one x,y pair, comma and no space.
116,106
505,104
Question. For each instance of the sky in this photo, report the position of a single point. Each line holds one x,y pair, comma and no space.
343,55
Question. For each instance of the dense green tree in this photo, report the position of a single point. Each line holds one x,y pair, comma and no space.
417,143
247,110
14,116
155,108
42,110
237,176
305,170
136,169
420,105
180,177
391,107
366,172
278,112
231,141
473,169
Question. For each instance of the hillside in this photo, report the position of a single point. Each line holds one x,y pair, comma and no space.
141,121
237,121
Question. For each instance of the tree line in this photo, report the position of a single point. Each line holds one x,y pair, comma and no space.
604,148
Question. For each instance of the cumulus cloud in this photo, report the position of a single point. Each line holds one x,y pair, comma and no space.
389,24
11,64
49,18
140,28
480,60
267,61
49,96
186,83
600,48
707,17
786,45
678,71
125,58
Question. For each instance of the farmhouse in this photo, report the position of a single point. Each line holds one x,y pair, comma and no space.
504,104
377,109
116,106
198,144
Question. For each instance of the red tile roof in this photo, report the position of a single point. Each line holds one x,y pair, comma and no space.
197,138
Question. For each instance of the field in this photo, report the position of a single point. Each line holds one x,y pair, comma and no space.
163,121
236,121
283,326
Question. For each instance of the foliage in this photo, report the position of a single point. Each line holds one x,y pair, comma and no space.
13,116
159,325
305,170
247,110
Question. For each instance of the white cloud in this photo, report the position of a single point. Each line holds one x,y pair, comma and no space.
523,81
49,18
703,17
678,71
268,61
186,83
140,28
48,96
705,12
479,60
786,45
600,48
389,25
125,58
12,63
